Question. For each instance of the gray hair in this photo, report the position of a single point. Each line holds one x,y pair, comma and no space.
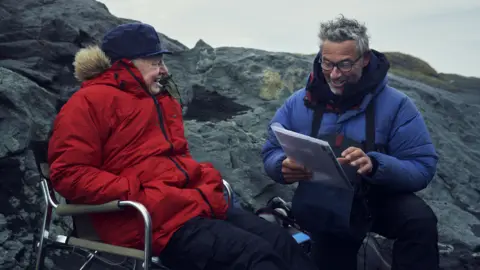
343,29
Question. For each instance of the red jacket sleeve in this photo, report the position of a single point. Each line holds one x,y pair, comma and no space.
75,155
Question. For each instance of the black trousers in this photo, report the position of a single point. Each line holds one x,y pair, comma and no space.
403,217
243,241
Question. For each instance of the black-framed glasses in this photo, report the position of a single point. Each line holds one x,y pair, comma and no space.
157,63
344,66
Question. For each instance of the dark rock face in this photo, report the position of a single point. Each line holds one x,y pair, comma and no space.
230,94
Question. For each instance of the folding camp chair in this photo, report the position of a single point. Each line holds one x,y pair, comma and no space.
83,235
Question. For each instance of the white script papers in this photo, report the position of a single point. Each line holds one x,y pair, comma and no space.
314,154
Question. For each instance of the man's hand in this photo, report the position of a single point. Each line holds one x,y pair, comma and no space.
294,172
357,158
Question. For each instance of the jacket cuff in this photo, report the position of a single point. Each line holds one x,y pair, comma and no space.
278,168
374,166
378,169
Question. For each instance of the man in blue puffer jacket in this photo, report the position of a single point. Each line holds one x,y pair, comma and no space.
383,144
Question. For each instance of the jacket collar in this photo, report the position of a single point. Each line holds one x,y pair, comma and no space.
373,80
124,76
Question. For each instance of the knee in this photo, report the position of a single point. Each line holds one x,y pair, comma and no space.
424,223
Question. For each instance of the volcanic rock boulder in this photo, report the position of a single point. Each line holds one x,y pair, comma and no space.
229,95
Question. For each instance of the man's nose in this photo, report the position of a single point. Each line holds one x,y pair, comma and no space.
163,70
335,73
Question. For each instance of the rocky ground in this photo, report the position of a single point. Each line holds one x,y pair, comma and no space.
230,94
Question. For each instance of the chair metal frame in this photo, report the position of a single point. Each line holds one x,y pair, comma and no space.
91,247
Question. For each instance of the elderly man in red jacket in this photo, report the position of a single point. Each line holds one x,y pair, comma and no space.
121,137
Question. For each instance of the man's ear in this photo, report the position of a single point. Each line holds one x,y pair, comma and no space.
366,59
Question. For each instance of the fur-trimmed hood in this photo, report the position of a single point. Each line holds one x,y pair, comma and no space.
94,67
90,62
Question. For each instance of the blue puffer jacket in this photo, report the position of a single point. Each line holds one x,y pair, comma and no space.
411,161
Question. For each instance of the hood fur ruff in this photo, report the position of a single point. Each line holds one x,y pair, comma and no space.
90,62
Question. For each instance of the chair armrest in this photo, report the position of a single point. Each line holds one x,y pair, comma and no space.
229,190
113,206
148,229
81,209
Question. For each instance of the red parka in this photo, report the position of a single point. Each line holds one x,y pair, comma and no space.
114,141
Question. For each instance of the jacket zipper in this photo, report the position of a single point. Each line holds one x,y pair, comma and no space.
162,127
206,200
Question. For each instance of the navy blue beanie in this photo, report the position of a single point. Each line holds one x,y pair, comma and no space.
132,40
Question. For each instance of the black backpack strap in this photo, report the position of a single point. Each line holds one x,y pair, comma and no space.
317,120
369,143
370,127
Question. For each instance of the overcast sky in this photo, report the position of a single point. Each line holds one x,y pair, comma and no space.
444,33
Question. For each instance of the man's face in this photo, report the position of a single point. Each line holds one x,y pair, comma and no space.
152,69
341,64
